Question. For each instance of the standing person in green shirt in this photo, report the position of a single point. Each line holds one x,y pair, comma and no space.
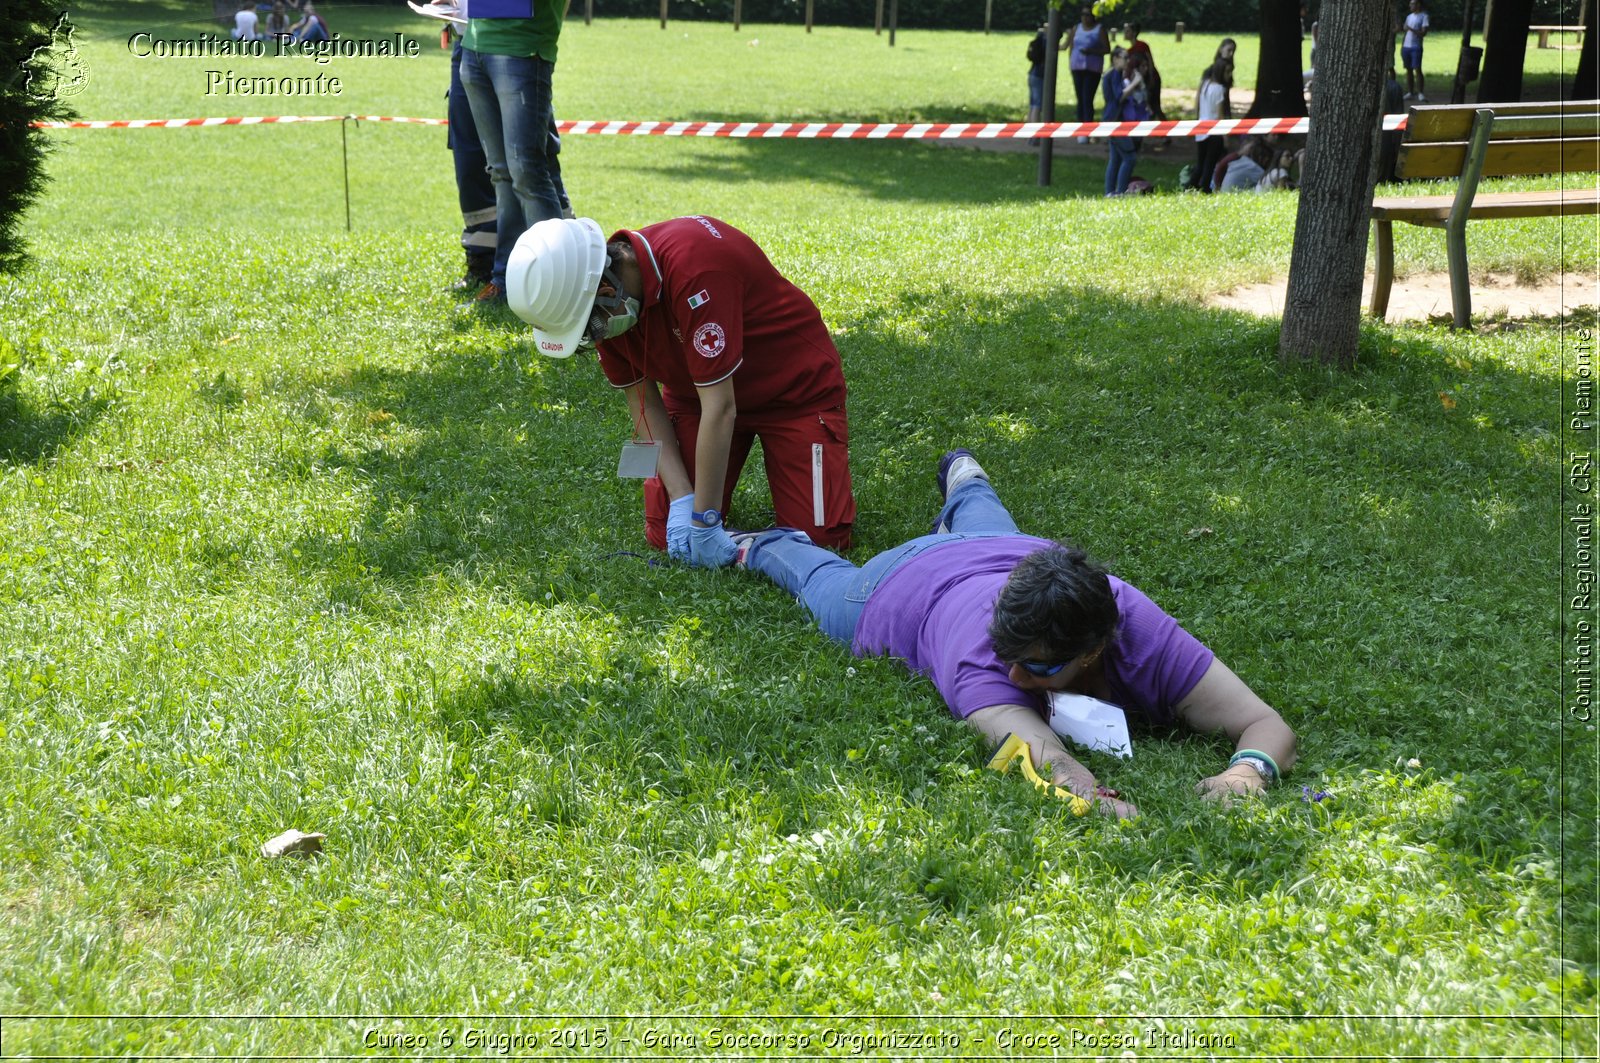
508,55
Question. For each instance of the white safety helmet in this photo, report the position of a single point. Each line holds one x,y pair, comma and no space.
552,277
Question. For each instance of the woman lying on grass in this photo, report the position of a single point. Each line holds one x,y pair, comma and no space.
1000,620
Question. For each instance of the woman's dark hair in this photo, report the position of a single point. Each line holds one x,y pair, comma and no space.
1221,72
1056,606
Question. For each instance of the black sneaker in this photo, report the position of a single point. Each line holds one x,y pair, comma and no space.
951,457
948,465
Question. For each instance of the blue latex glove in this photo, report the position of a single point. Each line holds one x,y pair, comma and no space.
680,520
711,547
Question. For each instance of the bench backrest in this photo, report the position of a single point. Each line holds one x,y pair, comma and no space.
1525,138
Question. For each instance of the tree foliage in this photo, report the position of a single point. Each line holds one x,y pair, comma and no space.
1200,16
39,71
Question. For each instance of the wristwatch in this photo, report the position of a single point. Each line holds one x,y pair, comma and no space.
1261,767
710,518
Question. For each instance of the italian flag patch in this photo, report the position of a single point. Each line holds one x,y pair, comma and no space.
699,299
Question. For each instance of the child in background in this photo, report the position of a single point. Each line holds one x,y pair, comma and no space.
1037,54
1152,75
245,22
1126,93
1411,50
278,21
1209,149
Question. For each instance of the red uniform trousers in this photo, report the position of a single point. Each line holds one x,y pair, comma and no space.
807,456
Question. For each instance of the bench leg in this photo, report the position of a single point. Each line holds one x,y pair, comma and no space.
1383,277
1455,247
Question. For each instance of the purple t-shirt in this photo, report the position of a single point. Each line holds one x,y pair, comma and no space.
934,611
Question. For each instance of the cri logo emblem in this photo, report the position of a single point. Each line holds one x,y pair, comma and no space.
709,339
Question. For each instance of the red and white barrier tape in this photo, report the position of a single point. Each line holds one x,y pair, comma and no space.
805,130
279,119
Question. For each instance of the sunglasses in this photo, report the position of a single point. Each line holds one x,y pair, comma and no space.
1041,669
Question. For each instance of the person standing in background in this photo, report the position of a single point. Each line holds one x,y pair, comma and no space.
1210,148
1411,51
474,187
1126,98
1089,49
1152,74
508,62
1036,58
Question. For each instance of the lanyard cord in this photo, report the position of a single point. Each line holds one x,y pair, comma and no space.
644,381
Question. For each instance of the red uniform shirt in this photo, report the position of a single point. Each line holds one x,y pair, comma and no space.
714,307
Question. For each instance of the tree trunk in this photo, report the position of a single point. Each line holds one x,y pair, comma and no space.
1505,46
1584,85
1279,75
1322,308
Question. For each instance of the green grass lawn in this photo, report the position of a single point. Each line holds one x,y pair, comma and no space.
287,538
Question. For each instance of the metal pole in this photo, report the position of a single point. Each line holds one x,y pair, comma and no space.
894,19
738,14
588,12
877,21
988,15
1052,35
663,14
344,155
809,6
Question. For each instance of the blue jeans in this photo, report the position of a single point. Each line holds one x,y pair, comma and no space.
510,100
474,188
836,591
1119,167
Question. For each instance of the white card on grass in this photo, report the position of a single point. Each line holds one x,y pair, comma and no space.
1091,722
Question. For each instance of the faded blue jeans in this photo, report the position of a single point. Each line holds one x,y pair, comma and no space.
835,591
1119,167
510,99
474,188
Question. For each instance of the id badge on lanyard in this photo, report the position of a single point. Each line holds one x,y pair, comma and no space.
638,461
498,9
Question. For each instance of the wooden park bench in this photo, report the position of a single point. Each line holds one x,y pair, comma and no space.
1544,32
1472,141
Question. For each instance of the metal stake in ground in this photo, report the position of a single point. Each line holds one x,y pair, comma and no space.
344,155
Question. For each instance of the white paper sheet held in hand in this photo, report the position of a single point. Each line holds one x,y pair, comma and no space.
448,11
1091,722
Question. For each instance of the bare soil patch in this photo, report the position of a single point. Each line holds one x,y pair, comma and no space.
1425,296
